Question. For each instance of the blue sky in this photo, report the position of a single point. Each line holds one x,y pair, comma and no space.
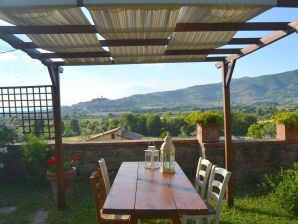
83,83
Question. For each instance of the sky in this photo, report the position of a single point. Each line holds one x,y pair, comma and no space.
84,83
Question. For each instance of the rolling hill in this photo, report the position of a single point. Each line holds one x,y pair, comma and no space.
276,88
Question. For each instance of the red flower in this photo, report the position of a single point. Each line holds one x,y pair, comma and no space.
74,158
52,161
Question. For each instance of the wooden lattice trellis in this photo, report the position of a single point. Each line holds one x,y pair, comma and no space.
32,105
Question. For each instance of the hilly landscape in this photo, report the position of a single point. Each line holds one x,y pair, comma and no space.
279,88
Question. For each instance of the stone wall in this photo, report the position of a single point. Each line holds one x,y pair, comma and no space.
251,159
187,152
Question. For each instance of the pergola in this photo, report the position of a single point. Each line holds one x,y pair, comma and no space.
135,32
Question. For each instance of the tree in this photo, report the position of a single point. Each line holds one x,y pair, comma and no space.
38,127
173,125
241,121
71,128
104,125
94,127
141,124
74,126
262,130
129,120
154,125
113,123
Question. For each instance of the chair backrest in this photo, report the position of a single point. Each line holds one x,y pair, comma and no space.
98,192
105,174
219,178
202,175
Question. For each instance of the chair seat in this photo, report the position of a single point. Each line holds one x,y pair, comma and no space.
112,218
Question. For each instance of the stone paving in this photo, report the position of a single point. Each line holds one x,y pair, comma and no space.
7,210
40,216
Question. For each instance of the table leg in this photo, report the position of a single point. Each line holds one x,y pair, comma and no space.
176,219
133,219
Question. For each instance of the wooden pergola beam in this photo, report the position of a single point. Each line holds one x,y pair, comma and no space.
134,42
207,59
227,72
100,54
54,72
180,27
202,51
15,42
104,54
287,3
235,26
48,29
265,41
160,42
140,42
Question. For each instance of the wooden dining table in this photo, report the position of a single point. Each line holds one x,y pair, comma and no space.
149,193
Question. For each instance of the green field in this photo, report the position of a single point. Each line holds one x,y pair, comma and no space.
250,206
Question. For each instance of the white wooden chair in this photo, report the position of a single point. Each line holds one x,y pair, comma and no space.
202,175
218,182
106,179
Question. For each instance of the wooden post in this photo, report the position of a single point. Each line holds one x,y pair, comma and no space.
54,74
226,79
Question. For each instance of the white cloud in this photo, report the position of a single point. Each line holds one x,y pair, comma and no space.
4,57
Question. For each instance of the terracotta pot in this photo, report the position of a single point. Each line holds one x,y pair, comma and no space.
69,176
208,133
287,134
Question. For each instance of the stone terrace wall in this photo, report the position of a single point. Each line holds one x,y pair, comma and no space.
251,159
187,152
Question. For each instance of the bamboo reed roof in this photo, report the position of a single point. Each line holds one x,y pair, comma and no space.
131,31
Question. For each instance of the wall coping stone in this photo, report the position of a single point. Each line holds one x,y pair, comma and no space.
178,141
220,144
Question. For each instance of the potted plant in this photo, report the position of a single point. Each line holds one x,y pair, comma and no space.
208,125
69,174
286,125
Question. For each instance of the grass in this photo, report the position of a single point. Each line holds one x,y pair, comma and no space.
250,206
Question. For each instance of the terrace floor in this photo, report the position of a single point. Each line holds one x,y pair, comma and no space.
34,204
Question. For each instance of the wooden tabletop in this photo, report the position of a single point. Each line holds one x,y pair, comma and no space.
145,192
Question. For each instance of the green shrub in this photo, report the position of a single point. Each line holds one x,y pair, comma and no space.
208,117
35,154
290,119
241,122
286,194
261,130
284,188
270,182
